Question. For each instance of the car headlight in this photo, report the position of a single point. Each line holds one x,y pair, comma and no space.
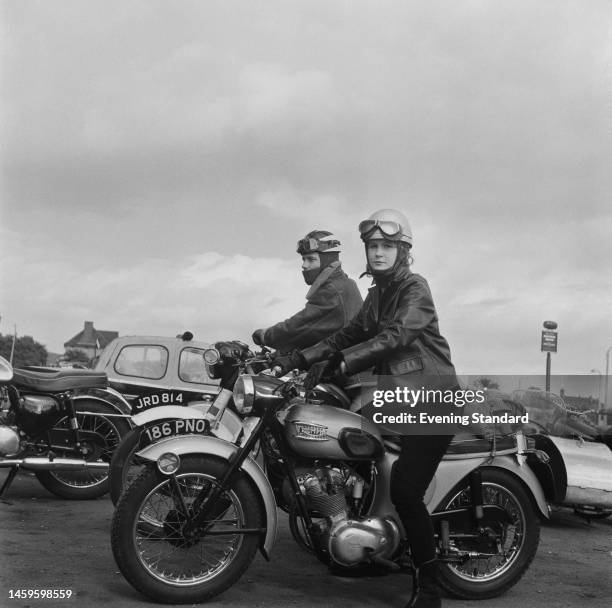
244,394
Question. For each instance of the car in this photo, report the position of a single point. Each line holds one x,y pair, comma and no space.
153,370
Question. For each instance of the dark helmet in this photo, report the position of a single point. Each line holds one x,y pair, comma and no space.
323,243
318,241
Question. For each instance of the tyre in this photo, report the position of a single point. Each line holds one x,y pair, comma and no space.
88,483
505,559
162,564
124,467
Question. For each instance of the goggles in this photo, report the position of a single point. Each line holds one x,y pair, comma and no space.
387,227
310,245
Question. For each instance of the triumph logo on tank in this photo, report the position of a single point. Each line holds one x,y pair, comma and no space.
310,431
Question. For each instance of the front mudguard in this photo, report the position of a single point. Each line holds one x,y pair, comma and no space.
451,471
165,412
228,429
197,444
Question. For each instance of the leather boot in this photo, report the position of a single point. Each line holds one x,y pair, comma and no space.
425,593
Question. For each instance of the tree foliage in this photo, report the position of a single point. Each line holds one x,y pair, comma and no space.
75,355
27,351
484,382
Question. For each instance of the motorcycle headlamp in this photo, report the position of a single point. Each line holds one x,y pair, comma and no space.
212,356
244,394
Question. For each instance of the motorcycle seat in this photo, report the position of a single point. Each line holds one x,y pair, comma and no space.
55,381
463,444
476,444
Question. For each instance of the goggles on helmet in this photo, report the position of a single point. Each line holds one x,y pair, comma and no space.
312,245
387,227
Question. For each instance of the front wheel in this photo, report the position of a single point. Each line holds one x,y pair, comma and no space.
503,552
105,434
154,556
124,465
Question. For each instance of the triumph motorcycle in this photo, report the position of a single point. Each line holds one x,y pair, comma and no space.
189,526
63,425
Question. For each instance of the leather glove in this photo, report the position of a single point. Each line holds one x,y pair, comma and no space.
232,349
324,370
294,360
258,337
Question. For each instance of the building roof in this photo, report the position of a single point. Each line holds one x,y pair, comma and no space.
90,337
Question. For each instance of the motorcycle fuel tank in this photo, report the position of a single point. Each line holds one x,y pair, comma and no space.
324,431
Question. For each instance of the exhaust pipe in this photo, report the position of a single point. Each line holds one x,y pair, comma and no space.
58,464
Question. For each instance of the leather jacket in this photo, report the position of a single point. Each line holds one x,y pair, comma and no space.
396,332
331,302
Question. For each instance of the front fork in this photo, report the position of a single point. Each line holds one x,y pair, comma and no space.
208,502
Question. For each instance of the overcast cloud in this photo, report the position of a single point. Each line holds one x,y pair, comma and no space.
160,160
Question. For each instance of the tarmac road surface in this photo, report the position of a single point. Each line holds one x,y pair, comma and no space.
50,543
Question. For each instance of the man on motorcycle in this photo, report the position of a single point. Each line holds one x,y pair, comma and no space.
396,331
331,302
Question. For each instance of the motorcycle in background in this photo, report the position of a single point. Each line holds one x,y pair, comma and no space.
63,425
223,362
189,526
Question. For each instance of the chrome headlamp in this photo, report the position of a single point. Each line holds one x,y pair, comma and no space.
244,394
212,356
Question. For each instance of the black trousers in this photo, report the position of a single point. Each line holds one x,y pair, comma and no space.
412,473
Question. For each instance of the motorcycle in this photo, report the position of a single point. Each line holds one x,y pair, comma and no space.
225,361
63,425
579,451
190,525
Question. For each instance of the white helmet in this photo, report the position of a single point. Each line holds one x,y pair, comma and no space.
392,224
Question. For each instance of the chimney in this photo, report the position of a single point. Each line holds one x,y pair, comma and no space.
88,325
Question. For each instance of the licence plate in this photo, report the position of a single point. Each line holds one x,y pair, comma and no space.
170,428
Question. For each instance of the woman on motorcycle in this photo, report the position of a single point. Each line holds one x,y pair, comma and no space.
331,302
396,331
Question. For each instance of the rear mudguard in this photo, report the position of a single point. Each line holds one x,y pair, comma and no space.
228,429
196,444
106,396
450,472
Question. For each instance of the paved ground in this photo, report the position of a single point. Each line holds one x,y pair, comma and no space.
49,543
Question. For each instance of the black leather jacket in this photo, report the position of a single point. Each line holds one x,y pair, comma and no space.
331,302
396,332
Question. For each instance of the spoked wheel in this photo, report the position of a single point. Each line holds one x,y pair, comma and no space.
152,552
505,548
105,435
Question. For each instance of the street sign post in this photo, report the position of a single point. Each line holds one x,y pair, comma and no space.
549,341
549,345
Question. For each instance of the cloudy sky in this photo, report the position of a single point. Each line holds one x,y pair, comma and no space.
159,160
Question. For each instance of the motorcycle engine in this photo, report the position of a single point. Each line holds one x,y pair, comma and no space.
349,538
